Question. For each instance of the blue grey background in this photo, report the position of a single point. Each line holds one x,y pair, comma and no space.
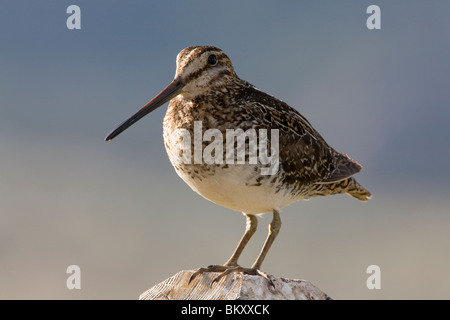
120,212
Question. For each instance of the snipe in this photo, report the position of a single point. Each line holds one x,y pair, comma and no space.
207,93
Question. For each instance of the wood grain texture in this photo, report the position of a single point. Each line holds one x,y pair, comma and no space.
232,287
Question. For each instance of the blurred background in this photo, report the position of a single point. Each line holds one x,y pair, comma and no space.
120,212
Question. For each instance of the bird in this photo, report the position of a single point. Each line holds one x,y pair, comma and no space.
207,95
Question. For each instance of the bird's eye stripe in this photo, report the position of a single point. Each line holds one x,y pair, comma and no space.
195,74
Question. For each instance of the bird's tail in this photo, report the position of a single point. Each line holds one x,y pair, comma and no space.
356,190
349,186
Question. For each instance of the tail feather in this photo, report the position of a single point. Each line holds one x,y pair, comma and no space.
349,186
357,191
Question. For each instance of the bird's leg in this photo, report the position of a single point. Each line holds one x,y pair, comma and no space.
231,265
274,228
250,229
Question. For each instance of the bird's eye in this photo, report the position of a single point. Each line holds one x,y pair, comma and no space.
212,60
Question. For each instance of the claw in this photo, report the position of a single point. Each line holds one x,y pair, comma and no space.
192,277
210,268
226,270
266,276
212,282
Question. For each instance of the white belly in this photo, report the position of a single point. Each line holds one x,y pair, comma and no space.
230,188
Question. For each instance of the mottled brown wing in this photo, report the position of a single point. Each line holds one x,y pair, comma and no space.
304,155
345,168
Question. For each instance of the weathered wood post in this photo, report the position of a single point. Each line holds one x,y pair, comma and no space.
234,286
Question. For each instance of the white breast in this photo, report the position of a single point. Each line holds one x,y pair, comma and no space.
231,188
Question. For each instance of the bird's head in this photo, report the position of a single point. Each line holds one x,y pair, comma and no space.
203,69
200,70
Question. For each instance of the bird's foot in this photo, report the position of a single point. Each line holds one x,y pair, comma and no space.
211,268
225,270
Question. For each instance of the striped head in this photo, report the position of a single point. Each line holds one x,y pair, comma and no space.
203,68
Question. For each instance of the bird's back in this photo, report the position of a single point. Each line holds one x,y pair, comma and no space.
305,156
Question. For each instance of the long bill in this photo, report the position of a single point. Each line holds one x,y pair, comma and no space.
172,90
